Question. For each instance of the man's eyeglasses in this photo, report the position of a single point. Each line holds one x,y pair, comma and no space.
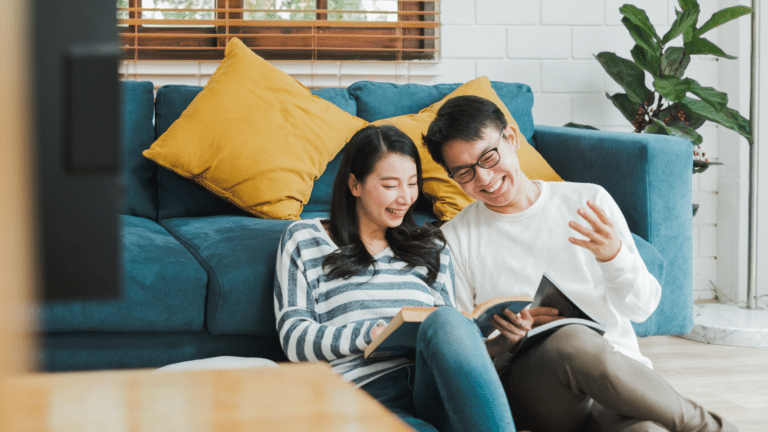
487,160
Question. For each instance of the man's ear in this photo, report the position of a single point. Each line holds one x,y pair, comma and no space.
512,136
445,168
354,185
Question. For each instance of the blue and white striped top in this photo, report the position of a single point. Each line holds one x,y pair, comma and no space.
331,320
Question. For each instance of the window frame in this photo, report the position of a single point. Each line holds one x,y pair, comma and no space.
415,35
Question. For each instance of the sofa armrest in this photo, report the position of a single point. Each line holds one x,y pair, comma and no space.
650,177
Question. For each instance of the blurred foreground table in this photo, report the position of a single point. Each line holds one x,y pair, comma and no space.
292,397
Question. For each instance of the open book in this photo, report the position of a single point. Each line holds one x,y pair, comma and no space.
549,295
399,337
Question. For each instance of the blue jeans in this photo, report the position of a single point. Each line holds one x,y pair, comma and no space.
453,385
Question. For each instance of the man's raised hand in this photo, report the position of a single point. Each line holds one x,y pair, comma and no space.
602,239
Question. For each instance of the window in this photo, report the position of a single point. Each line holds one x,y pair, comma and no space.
280,29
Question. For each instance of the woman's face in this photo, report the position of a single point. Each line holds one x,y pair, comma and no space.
386,193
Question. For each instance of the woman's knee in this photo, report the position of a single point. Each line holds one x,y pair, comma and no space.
415,423
448,326
446,315
446,319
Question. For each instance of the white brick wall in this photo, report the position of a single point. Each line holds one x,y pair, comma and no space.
506,12
573,13
547,44
481,41
559,42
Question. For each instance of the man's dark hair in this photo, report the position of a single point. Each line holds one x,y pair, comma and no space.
461,118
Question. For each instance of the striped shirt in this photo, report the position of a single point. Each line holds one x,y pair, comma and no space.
319,319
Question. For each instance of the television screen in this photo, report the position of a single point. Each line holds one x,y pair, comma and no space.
75,61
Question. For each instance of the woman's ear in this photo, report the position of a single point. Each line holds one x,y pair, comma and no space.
354,185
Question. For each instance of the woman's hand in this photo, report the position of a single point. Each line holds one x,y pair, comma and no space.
377,331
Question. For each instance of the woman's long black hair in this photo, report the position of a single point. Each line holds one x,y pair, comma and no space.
414,244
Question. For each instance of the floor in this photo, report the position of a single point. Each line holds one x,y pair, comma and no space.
730,324
729,380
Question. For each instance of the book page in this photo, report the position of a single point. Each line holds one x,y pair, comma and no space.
400,334
549,295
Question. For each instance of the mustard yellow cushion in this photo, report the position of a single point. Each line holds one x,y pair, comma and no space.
447,197
255,136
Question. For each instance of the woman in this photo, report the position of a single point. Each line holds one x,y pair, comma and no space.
339,282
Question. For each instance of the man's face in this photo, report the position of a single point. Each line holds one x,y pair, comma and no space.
499,187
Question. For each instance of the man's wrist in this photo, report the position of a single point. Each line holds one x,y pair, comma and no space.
621,244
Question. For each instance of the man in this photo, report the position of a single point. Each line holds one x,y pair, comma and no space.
518,230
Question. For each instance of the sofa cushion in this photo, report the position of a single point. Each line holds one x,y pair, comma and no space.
656,265
339,97
137,134
447,196
220,362
652,258
255,136
176,195
238,253
180,197
376,100
163,289
94,351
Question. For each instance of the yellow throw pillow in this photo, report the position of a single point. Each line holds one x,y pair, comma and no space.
447,197
255,136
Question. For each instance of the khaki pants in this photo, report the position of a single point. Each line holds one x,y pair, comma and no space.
575,381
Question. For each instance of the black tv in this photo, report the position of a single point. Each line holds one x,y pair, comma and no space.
75,56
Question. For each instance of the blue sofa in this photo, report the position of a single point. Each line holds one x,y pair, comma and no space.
198,272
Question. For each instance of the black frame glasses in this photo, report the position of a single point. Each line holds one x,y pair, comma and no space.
487,160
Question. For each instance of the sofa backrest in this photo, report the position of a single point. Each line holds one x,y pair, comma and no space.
139,174
158,193
377,100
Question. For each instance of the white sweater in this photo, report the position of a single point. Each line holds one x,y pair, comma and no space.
498,254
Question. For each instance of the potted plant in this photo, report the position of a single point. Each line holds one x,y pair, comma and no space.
676,105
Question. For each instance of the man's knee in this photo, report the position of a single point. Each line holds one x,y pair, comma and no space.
646,426
577,344
604,420
619,424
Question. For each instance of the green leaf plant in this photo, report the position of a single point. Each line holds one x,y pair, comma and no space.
675,105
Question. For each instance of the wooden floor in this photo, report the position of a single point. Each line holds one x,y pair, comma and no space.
731,381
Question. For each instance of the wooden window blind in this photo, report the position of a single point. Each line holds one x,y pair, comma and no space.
384,30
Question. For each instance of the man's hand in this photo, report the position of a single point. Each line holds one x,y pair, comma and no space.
544,315
602,239
513,327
